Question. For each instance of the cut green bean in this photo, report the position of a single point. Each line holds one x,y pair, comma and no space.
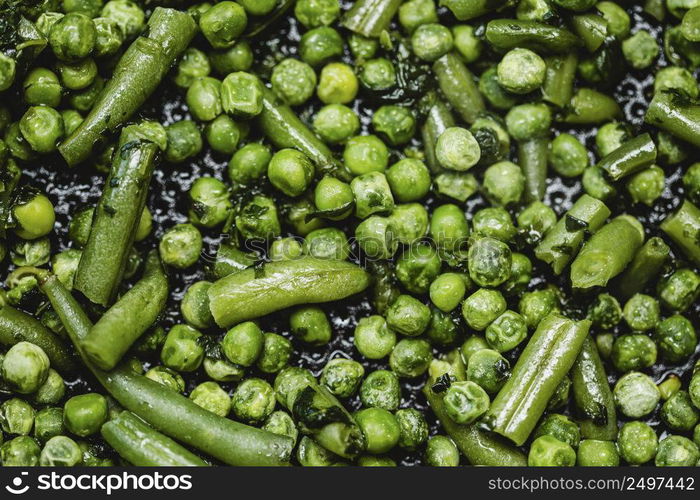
169,33
464,10
532,158
370,18
17,326
168,411
589,107
115,222
558,84
644,268
632,156
594,399
130,317
438,120
284,129
506,34
143,446
563,241
256,292
459,86
543,364
592,29
683,227
478,446
676,114
607,253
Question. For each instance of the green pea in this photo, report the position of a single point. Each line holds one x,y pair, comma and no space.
281,423
489,262
109,37
409,222
409,180
372,194
618,20
373,338
457,149
415,13
431,41
337,84
319,45
380,428
447,291
78,75
377,74
193,64
25,367
249,163
567,156
633,352
488,369
677,451
407,315
466,402
311,325
243,344
469,46
166,377
342,377
504,183
640,50
210,396
8,71
209,202
73,37
293,81
494,222
548,451
315,13
242,94
637,442
396,123
48,423
441,452
410,357
223,134
127,14
16,417
290,171
676,338
334,197
375,236
204,99
679,290
336,123
527,121
238,57
253,400
182,350
636,395
276,353
381,389
41,86
596,453
496,95
362,48
181,246
84,415
327,243
52,390
21,451
258,219
521,71
560,427
365,154
506,332
223,23
417,267
678,412
184,141
42,128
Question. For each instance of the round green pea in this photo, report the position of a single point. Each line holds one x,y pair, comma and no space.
364,154
83,415
373,338
243,344
293,81
441,452
548,451
380,428
336,123
447,291
290,171
457,149
409,180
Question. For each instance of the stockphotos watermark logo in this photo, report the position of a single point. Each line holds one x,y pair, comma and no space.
22,483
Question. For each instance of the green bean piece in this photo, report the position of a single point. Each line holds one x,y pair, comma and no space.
17,326
169,33
594,399
464,10
644,268
438,120
255,292
676,114
478,446
543,364
115,222
592,29
284,129
129,318
562,242
143,446
532,157
506,34
607,253
683,227
459,86
168,411
370,18
558,86
9,177
588,107
632,156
